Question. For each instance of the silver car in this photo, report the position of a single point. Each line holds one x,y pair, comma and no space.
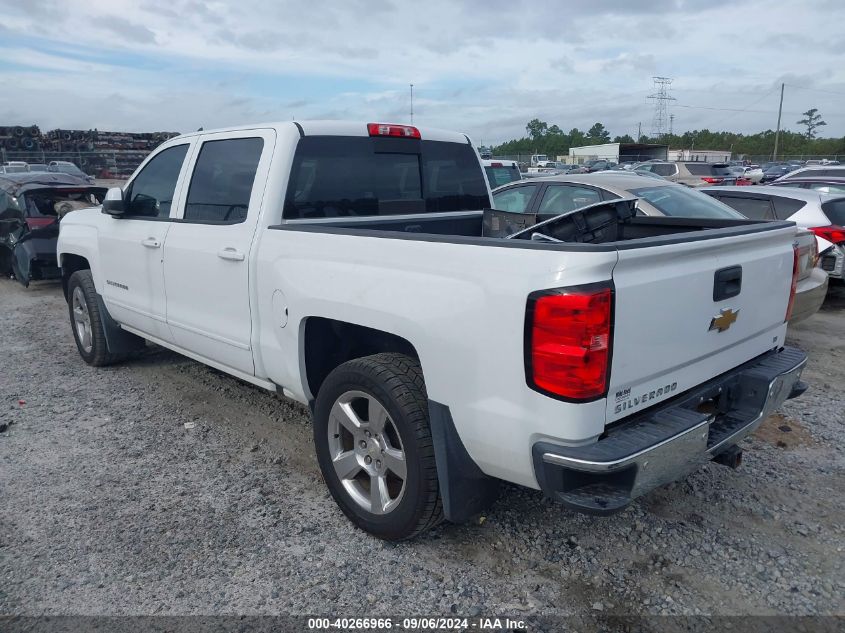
822,213
550,196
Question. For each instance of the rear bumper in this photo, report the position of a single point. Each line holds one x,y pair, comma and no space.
809,295
671,440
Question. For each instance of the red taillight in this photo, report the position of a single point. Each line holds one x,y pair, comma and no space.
832,233
569,338
743,182
713,181
391,129
39,223
496,165
794,287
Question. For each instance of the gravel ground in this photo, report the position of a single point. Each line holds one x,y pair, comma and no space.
161,486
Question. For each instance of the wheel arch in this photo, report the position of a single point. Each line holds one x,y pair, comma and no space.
326,343
70,263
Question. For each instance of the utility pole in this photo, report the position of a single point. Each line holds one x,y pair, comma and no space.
639,131
777,132
671,123
412,104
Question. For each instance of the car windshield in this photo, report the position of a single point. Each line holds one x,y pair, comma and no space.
678,201
14,169
501,175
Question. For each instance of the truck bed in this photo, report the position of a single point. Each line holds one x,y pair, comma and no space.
618,227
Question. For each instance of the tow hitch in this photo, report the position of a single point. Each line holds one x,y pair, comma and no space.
731,457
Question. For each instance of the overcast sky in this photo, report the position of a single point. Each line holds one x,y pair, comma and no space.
482,67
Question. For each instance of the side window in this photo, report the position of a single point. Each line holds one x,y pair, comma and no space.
786,207
562,198
664,169
751,208
514,200
222,181
151,193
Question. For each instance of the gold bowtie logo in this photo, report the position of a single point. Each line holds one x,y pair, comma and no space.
724,319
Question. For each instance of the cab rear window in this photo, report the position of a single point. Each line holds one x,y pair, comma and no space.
338,176
498,176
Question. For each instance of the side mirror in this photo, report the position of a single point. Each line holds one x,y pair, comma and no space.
114,204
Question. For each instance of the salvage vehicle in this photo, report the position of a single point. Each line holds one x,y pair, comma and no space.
551,196
31,206
358,268
821,213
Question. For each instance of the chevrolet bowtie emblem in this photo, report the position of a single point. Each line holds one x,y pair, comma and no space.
724,319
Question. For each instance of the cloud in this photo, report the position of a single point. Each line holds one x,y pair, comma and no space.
482,66
131,32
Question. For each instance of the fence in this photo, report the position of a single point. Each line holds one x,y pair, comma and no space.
97,163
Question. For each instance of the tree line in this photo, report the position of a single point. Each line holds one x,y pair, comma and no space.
542,138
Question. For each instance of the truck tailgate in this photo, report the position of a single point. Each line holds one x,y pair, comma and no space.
671,335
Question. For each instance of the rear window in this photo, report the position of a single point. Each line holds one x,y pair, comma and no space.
835,211
339,176
498,176
706,169
678,201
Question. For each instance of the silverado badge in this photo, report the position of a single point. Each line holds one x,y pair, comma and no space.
724,319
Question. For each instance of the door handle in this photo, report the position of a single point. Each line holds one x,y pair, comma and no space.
151,242
230,254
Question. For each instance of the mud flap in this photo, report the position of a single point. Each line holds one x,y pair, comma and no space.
118,341
464,488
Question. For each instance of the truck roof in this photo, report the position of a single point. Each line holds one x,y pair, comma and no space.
334,128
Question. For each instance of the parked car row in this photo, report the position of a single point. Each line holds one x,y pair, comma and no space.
55,166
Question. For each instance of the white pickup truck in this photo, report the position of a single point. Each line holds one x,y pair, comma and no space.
357,269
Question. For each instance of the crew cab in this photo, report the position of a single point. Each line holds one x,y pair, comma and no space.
441,345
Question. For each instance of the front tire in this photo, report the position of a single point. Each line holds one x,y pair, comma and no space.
87,322
374,446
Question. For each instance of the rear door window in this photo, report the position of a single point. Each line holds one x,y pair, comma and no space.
515,199
562,198
339,176
751,208
222,181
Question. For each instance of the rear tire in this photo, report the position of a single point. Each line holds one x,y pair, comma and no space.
374,446
87,322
